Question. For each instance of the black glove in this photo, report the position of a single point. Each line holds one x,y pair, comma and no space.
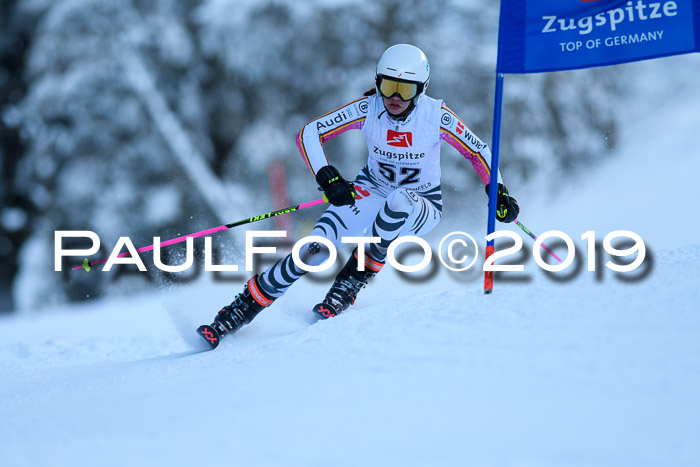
338,191
507,208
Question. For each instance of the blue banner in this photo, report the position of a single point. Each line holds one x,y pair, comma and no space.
550,35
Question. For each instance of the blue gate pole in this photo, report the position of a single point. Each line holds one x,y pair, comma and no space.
493,184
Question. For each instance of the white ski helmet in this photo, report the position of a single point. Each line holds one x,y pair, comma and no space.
404,63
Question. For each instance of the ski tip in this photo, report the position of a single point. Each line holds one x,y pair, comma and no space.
209,335
324,311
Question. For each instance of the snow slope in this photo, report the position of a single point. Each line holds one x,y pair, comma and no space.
592,371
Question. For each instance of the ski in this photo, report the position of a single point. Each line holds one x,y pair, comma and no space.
325,310
209,335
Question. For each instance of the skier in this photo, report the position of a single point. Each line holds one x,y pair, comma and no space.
396,193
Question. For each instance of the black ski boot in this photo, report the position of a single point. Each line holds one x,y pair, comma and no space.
347,285
241,311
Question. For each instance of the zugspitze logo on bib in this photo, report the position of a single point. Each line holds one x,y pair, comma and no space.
399,139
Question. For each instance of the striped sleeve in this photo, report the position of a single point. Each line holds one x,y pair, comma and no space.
460,137
312,136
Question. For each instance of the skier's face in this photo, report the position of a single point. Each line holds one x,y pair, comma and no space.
394,105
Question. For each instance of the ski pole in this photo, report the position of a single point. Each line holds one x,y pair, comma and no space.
87,264
534,237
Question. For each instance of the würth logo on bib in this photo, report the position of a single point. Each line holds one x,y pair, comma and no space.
399,139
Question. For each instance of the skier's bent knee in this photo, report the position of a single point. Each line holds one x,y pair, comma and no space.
314,254
402,200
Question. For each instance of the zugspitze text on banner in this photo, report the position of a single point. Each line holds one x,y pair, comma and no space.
550,35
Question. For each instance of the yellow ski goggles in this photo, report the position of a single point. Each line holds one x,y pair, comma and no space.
406,90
